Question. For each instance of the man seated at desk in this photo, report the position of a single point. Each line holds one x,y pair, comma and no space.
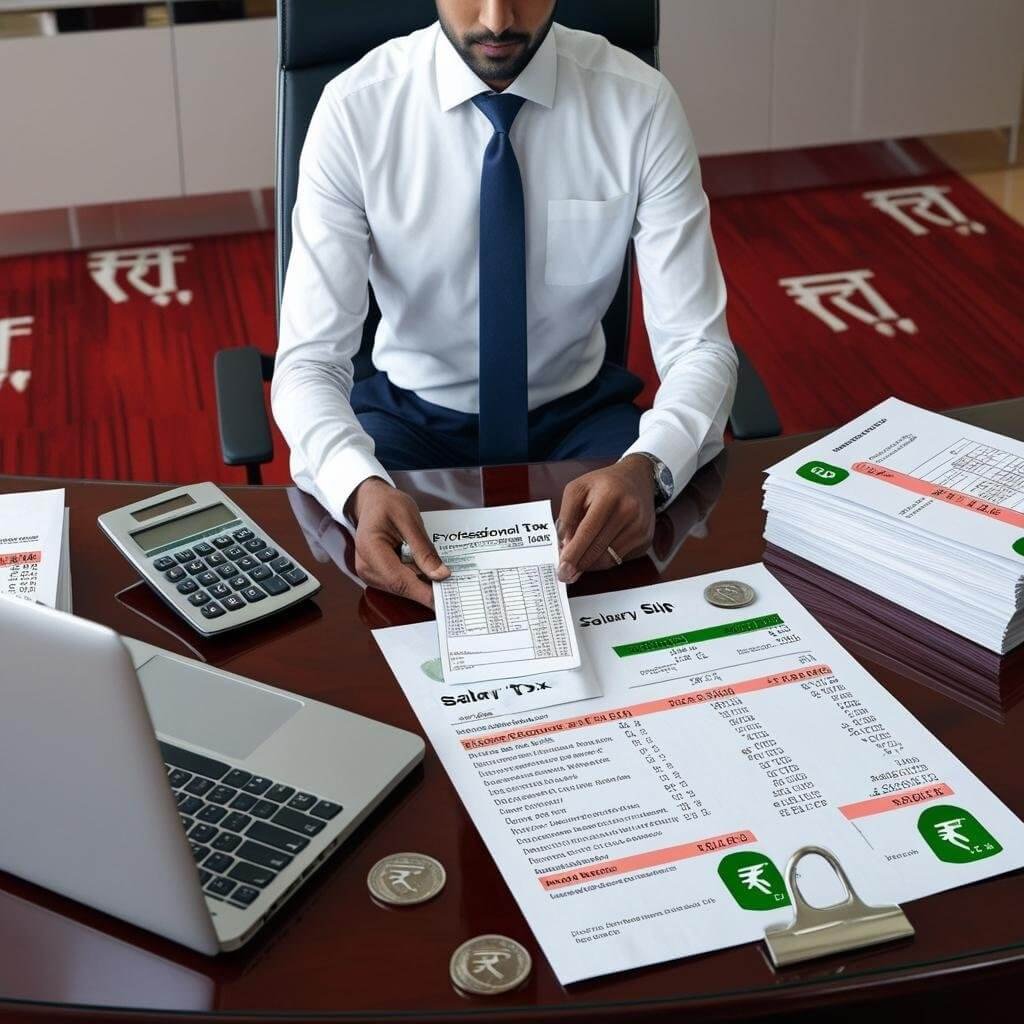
486,175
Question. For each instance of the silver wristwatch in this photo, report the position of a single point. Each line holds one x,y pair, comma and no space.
664,485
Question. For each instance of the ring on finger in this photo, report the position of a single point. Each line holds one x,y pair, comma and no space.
615,555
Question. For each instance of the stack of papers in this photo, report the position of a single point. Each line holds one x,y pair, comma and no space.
884,634
921,509
35,561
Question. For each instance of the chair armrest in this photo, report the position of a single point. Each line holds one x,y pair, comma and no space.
753,414
239,374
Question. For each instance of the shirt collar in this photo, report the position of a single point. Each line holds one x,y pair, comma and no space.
456,83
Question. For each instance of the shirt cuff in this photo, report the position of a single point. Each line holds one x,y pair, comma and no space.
666,444
341,474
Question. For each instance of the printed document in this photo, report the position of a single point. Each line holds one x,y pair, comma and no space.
502,612
654,819
917,507
34,546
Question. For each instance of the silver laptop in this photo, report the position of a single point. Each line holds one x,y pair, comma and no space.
172,795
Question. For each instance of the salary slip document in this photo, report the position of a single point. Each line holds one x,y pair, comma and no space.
502,612
654,819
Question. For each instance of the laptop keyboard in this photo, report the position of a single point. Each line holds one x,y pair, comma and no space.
243,828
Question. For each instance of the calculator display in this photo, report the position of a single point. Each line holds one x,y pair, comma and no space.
185,526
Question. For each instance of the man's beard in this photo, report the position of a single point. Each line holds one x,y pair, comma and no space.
496,69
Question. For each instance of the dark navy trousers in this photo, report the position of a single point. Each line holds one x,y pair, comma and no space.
597,421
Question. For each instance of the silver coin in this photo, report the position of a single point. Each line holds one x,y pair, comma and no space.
489,965
729,594
403,879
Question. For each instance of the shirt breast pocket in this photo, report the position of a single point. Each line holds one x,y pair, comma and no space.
587,238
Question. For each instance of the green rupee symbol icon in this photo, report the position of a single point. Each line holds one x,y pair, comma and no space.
956,836
823,473
754,881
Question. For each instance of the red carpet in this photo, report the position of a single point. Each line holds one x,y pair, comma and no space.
951,330
94,387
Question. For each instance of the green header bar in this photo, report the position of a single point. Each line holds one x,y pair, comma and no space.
663,643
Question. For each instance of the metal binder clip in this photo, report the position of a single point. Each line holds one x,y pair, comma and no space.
821,931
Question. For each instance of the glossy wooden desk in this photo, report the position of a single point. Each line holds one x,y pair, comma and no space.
334,954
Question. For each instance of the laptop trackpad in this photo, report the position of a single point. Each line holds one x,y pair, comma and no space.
202,706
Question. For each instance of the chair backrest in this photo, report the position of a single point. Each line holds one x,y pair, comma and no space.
318,40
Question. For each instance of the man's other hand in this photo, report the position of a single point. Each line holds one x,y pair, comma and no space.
385,517
612,507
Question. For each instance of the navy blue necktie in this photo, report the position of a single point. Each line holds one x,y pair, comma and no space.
504,433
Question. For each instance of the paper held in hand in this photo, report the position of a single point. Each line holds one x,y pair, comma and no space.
919,508
650,814
503,612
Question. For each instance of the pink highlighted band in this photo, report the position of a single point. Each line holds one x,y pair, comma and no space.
639,861
895,801
21,558
681,700
968,502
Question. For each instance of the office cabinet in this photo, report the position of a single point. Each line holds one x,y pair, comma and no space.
718,55
87,118
227,80
170,110
816,59
933,66
776,74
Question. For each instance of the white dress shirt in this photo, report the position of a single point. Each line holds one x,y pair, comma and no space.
389,191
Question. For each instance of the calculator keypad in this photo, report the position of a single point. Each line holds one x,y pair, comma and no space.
229,572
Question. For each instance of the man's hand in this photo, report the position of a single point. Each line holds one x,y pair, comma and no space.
384,518
609,507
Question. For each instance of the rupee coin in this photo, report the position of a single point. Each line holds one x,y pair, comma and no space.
403,879
729,594
489,965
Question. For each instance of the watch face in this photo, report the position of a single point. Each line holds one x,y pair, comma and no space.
665,479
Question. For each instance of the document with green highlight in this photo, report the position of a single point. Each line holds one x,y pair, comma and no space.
919,508
644,806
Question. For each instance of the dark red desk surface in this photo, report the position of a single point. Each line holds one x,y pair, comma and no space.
334,953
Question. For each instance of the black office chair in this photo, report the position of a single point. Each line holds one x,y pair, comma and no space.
317,41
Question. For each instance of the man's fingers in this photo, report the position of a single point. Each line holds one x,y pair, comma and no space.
627,544
612,527
571,511
587,532
424,554
378,563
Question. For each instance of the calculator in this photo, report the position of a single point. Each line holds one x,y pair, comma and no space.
207,559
